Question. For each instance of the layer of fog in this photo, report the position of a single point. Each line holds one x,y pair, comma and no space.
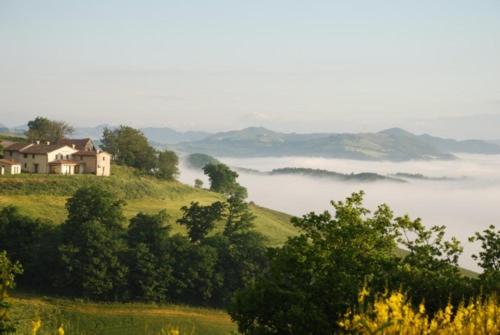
464,206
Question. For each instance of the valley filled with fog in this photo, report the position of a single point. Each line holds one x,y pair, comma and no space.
466,202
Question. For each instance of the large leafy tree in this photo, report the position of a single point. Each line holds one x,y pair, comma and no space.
241,250
167,165
316,275
150,260
43,129
130,147
200,220
222,178
93,245
195,276
489,258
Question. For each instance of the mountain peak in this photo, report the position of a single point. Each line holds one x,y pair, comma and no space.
396,131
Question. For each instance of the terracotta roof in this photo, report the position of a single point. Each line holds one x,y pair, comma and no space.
85,153
63,161
41,148
5,143
78,143
9,162
17,146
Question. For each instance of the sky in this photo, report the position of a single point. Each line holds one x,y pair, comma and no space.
290,65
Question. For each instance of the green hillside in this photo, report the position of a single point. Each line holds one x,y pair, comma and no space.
45,196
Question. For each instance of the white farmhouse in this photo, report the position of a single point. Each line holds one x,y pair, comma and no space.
9,167
68,156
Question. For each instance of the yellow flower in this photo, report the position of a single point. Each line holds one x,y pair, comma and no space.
363,294
60,330
35,326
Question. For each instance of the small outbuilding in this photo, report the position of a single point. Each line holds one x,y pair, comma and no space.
8,166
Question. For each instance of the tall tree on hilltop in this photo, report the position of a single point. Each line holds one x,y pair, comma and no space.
129,147
222,178
167,165
43,129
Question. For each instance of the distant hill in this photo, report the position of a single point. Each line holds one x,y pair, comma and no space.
361,177
158,135
392,144
466,146
171,136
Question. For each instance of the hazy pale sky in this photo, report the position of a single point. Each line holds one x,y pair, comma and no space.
291,65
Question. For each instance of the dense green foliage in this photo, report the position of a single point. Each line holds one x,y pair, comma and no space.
94,255
129,146
8,270
200,220
43,129
222,178
167,165
489,257
91,249
316,276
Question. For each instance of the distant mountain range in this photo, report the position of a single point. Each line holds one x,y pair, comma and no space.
392,144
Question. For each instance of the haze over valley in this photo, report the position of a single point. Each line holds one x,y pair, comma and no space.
465,203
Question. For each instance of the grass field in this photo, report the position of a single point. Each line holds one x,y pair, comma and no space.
44,196
115,319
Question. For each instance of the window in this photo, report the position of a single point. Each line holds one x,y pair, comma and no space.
103,158
25,165
81,157
33,156
25,155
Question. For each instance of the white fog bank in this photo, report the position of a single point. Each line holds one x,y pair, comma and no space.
464,206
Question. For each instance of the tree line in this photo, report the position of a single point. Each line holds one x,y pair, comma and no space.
97,254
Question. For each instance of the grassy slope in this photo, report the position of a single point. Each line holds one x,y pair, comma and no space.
45,195
115,319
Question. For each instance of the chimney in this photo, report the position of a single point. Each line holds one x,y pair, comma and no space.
37,142
73,146
48,143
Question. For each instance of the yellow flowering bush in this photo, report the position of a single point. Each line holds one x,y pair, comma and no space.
392,313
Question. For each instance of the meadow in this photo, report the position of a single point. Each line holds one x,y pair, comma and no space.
83,318
44,196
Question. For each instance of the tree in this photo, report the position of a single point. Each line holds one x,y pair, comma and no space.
167,165
30,242
489,258
242,254
43,129
93,247
315,276
130,147
8,271
150,261
198,183
200,220
195,276
222,178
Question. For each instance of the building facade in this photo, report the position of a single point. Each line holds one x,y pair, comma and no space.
68,156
